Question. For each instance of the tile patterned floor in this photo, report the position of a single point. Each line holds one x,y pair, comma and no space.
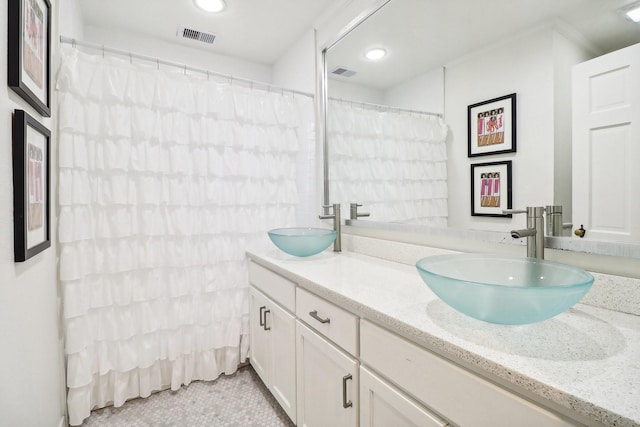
239,400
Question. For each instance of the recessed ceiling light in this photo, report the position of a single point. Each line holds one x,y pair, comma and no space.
375,54
632,11
634,14
212,6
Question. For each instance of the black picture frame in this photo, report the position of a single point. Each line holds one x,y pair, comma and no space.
491,126
489,195
31,186
29,52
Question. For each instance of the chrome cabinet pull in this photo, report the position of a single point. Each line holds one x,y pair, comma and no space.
262,314
346,403
314,314
266,328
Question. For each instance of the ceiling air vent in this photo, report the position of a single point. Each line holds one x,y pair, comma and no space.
201,36
341,71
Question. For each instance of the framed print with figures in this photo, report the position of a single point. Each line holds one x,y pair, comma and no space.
491,189
31,184
491,126
29,52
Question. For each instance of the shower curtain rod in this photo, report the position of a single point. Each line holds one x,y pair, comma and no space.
131,55
380,107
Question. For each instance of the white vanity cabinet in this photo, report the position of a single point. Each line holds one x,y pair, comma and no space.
456,393
328,367
272,335
327,373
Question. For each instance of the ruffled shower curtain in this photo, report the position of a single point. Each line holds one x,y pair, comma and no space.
392,162
165,180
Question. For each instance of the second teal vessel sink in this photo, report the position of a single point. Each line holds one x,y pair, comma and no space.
505,290
302,242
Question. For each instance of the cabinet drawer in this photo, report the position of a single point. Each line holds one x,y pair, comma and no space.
281,290
338,325
456,393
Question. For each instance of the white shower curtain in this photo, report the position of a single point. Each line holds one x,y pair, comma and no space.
393,162
165,180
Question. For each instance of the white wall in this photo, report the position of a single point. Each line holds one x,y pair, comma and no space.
71,21
537,67
144,45
354,92
31,365
522,65
296,68
422,93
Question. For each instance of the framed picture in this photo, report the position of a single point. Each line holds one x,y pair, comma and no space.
29,50
31,182
491,189
492,126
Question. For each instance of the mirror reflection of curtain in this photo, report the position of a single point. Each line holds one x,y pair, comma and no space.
165,180
392,162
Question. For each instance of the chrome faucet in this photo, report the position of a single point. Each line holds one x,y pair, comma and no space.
534,231
555,226
337,244
354,211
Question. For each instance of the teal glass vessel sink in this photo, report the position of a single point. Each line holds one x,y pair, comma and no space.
302,241
506,290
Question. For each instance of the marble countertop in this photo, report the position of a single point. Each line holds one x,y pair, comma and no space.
586,359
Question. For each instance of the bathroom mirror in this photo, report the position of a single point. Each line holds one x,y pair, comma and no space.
438,54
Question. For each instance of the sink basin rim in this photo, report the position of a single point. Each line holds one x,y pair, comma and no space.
311,231
441,259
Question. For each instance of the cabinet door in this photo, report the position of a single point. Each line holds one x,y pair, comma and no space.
327,382
258,338
281,328
381,405
606,145
273,349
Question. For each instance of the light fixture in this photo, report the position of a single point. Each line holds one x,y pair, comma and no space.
375,54
633,12
212,6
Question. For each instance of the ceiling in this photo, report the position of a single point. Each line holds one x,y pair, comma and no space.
421,35
256,30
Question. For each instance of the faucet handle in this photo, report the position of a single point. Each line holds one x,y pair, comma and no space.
334,206
354,211
336,211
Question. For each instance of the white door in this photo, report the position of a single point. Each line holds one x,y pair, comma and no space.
606,145
258,338
327,382
381,405
282,329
